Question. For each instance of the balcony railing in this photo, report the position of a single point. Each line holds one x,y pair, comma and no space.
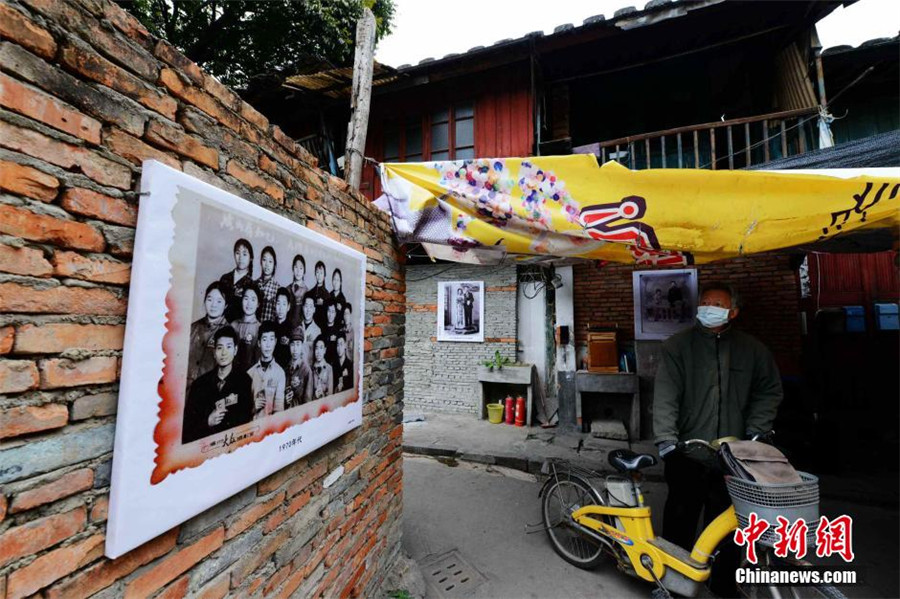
735,143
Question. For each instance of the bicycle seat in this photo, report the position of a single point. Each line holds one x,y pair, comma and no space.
625,460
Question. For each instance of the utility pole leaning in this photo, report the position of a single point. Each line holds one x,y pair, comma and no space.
360,98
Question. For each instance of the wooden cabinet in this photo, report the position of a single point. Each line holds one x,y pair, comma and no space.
603,352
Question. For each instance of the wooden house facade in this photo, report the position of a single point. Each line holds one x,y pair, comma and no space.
714,84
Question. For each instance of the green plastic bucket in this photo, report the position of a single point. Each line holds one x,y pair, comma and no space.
495,412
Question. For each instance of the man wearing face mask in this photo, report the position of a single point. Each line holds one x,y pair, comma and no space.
713,381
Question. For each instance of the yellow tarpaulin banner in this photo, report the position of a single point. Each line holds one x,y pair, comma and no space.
570,206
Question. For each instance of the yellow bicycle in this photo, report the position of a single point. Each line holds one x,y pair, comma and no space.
586,525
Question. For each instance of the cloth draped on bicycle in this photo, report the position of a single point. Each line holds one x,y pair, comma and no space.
758,462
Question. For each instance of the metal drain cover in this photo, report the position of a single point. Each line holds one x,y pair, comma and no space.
449,575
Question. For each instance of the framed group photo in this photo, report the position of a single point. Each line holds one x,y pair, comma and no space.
243,352
460,311
665,302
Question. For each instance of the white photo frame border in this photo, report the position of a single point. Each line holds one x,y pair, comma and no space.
139,510
637,277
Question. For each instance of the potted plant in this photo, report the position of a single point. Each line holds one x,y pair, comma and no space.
497,362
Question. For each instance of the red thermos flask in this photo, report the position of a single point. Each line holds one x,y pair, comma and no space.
510,409
520,411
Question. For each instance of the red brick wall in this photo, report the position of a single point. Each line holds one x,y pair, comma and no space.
85,95
768,285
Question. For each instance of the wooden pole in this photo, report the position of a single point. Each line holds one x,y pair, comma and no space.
360,98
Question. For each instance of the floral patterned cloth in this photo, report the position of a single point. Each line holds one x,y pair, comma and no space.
568,206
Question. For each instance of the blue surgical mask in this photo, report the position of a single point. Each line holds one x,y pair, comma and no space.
712,316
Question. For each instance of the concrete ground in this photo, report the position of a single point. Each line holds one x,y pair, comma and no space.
522,448
480,505
483,515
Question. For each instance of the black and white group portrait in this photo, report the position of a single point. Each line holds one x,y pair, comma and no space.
242,352
460,311
272,328
665,302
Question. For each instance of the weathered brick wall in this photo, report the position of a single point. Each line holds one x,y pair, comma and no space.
85,95
771,296
440,376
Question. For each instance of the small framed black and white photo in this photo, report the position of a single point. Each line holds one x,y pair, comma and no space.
665,302
460,311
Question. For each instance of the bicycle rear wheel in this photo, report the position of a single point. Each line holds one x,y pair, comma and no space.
560,500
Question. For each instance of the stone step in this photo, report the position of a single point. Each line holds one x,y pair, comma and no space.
609,429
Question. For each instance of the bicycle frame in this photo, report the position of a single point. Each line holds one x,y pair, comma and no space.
625,530
637,536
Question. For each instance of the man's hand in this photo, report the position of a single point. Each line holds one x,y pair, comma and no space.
259,401
665,448
217,415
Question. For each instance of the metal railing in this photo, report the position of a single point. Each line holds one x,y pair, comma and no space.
735,143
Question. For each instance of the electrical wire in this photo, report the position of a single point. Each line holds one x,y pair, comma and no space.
454,265
432,275
540,279
538,287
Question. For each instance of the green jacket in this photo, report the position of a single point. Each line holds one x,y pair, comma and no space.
712,385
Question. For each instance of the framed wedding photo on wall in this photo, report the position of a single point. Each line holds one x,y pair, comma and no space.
460,311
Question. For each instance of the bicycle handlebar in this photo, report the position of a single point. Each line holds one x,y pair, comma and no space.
685,445
714,445
697,442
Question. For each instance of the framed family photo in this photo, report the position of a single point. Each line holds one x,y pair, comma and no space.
665,302
243,352
460,311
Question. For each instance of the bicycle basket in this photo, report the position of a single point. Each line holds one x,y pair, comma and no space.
793,501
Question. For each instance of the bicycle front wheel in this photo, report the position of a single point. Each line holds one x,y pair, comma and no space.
816,591
561,499
778,591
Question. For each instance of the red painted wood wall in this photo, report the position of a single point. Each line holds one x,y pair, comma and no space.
852,376
853,279
504,115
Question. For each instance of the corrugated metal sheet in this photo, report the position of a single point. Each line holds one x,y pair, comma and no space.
338,82
881,150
